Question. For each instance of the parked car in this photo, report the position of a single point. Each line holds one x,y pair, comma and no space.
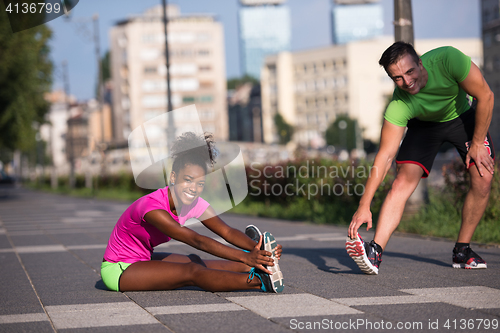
5,179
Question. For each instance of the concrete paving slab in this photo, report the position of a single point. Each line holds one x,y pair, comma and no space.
60,278
194,308
383,300
291,305
32,240
473,297
4,242
98,315
421,317
28,327
223,322
16,294
81,239
23,318
337,323
184,296
330,284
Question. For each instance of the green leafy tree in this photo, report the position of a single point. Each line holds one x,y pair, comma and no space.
106,71
25,77
342,133
105,65
238,81
285,130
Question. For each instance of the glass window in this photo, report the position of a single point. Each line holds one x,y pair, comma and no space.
188,99
206,99
487,39
150,69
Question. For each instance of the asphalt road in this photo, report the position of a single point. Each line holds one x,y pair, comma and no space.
51,249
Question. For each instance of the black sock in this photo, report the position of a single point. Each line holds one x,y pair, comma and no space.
461,246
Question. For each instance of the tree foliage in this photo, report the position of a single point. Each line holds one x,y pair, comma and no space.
25,78
105,65
342,133
285,130
238,81
106,72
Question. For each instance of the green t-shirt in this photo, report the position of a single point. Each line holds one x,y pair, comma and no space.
441,99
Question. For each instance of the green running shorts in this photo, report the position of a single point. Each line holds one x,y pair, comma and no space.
111,272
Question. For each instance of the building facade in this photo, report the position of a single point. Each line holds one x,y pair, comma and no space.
74,131
490,23
245,113
310,88
353,20
55,130
264,29
197,69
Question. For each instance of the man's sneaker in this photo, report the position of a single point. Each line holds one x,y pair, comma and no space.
468,259
254,233
267,283
367,256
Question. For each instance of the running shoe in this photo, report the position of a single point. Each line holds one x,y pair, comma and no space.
367,256
468,259
267,283
254,233
270,245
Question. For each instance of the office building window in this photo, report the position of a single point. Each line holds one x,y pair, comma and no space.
203,37
150,70
206,114
206,99
149,38
487,39
150,54
188,99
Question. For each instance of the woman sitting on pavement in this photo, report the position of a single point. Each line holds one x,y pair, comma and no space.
129,263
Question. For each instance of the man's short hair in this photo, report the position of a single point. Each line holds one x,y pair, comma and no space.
395,52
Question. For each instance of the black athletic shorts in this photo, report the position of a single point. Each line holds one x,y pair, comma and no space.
423,139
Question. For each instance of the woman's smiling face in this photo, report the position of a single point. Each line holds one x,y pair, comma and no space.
189,183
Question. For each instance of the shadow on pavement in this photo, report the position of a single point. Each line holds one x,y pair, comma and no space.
100,285
418,258
317,256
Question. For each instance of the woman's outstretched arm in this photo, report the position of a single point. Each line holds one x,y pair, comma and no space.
231,235
162,220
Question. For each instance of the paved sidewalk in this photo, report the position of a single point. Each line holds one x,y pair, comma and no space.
51,249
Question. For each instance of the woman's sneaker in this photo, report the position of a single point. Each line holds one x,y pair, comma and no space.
270,245
367,256
254,233
267,283
466,258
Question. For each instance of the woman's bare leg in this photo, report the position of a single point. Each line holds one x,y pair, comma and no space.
163,275
223,265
